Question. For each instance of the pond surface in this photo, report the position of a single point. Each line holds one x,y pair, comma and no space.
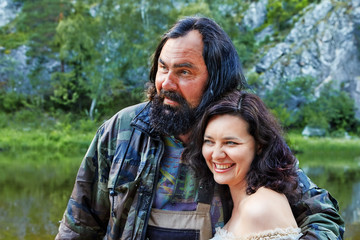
32,212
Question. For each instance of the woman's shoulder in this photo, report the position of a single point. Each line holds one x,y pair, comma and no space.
265,198
267,209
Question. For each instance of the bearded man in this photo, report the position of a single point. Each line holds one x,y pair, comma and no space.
132,183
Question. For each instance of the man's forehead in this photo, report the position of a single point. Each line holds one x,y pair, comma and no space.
185,49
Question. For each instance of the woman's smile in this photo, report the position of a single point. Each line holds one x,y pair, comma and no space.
218,167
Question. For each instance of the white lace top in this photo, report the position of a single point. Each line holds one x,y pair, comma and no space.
278,234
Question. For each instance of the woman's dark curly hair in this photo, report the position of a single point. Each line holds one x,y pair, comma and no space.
273,167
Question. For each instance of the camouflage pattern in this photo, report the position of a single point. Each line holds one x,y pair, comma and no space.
115,186
317,213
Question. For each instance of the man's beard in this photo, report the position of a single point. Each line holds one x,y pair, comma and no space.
171,120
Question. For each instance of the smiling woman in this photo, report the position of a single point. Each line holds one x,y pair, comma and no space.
242,146
228,149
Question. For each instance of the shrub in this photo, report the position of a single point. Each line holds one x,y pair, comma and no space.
333,106
288,98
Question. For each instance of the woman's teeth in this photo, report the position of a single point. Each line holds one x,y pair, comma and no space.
223,166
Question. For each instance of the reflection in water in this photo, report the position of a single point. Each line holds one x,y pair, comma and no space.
344,185
351,213
33,212
29,214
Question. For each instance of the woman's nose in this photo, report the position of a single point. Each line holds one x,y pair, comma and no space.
218,153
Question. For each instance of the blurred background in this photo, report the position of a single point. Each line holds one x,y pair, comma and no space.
68,65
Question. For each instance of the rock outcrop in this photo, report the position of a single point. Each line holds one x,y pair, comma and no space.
325,44
255,15
8,11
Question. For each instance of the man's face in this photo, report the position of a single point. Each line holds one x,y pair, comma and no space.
180,82
181,69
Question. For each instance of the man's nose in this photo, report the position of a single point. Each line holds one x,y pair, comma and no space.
169,83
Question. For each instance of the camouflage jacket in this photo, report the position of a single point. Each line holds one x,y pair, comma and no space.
114,188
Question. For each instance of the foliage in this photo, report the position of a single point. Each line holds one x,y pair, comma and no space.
32,32
229,14
11,102
279,13
334,110
294,103
69,91
100,50
11,40
93,57
255,83
76,41
288,98
39,22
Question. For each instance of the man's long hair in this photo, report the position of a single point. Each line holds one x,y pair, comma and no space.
220,56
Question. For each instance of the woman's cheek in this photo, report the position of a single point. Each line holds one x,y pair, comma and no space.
207,156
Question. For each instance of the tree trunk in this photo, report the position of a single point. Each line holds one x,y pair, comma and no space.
92,108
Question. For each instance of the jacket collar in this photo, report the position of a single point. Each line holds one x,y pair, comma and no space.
142,121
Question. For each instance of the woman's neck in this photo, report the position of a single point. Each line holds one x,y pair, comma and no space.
238,193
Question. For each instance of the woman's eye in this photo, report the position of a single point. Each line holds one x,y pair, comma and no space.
231,143
206,141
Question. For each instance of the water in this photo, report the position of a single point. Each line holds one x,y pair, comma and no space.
29,214
33,212
344,186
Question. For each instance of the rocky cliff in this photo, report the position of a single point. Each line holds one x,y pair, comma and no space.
8,11
324,43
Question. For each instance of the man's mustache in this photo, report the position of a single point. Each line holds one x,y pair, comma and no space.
174,96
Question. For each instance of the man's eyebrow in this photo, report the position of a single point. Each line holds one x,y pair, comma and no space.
161,61
186,64
179,65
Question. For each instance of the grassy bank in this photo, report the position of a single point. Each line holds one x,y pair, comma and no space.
326,152
48,152
44,153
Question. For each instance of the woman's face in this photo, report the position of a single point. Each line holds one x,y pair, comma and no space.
228,149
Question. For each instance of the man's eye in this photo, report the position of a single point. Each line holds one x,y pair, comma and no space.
185,72
162,67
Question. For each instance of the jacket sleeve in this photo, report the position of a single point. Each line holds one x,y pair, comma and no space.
317,212
87,212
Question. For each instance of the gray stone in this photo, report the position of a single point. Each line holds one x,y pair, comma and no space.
313,132
255,15
323,44
8,11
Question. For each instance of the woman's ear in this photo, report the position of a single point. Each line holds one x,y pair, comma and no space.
258,149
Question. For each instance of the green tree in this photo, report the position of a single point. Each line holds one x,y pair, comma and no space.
33,29
229,14
76,37
288,98
280,12
334,110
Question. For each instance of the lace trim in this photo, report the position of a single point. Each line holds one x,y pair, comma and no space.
278,233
